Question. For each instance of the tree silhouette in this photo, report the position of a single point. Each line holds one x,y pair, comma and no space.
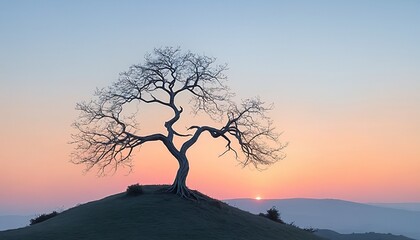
106,136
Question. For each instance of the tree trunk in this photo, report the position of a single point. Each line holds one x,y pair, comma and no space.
179,186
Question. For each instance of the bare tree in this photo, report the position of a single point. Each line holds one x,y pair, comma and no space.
106,138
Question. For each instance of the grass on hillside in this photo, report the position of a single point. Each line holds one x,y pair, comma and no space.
156,215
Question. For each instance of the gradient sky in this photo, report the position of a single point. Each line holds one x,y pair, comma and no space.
344,77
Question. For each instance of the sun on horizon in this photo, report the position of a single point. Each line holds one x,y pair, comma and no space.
258,198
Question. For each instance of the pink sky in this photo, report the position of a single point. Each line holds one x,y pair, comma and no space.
343,76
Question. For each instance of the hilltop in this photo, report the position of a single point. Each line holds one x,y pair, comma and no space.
156,215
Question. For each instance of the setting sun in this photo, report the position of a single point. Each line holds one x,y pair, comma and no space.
258,198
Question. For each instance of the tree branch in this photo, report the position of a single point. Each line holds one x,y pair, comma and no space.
106,136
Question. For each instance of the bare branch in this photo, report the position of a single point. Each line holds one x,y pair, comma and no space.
252,130
106,136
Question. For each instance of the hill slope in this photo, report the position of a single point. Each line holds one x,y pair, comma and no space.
338,215
155,215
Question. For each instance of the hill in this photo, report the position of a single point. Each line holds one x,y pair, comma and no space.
331,235
156,215
338,215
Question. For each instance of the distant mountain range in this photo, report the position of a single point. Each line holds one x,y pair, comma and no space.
341,216
403,206
13,221
331,235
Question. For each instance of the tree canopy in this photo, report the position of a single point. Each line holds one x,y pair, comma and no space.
106,136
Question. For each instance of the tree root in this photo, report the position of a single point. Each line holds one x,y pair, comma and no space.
184,192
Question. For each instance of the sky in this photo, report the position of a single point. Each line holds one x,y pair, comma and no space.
344,78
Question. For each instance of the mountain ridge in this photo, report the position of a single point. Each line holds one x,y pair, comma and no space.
331,235
338,215
10,221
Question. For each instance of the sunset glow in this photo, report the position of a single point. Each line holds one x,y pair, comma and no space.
343,77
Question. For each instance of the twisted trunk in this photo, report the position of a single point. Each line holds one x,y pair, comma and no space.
179,185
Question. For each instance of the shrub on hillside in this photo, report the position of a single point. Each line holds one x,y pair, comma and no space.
273,214
43,217
134,190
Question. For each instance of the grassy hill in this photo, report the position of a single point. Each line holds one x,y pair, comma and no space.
156,215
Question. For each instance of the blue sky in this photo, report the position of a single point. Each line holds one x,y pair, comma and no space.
326,46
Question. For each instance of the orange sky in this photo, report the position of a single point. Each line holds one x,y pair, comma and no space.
343,76
361,156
